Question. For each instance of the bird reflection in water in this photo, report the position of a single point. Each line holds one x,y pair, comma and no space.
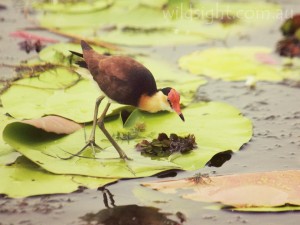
127,214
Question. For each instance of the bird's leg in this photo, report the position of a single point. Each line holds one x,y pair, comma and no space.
108,136
91,141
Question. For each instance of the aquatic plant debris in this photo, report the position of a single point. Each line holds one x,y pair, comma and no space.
29,46
164,146
288,47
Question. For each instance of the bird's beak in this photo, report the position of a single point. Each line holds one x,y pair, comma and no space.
181,116
177,109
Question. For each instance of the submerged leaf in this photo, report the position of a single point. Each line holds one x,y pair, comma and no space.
253,191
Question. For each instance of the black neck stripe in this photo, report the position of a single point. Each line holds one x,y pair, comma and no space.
166,90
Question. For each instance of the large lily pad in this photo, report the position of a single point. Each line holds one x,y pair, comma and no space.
218,127
238,63
24,178
177,22
255,191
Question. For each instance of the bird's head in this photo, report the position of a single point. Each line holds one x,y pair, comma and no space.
173,98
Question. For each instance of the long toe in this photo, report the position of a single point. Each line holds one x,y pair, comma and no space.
91,143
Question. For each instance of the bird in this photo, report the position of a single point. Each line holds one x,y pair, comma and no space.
124,80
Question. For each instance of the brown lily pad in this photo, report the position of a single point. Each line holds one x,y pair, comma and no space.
264,189
54,124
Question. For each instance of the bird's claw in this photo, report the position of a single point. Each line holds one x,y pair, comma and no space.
90,143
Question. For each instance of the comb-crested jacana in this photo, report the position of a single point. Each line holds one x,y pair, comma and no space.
128,82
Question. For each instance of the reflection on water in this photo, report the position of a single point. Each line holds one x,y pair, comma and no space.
128,214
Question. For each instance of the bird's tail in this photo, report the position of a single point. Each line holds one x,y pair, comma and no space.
85,46
76,53
80,63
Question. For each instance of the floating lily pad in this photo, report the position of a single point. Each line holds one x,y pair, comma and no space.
77,7
57,78
253,192
76,102
47,149
234,64
24,178
178,22
59,54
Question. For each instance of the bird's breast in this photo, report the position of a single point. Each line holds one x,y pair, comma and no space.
154,103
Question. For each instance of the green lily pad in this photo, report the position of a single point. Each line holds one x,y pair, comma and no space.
59,54
76,102
239,63
58,78
216,126
266,209
156,3
24,178
71,7
7,153
142,23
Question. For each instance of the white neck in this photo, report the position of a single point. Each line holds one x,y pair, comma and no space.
154,103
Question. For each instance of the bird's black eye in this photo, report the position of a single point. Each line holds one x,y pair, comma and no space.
170,103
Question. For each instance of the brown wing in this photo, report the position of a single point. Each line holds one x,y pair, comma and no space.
121,78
